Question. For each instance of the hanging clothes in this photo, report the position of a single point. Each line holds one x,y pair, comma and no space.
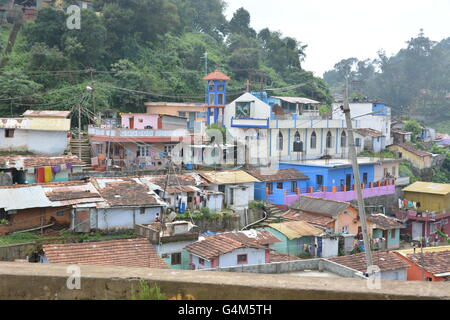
40,175
56,169
48,174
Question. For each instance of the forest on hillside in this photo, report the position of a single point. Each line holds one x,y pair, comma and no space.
415,82
134,51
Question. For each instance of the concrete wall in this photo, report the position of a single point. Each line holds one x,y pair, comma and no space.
16,251
36,141
23,281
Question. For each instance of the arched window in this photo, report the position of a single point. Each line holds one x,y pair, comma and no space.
280,141
329,141
313,140
298,144
343,139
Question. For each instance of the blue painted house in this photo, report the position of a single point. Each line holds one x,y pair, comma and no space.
385,231
325,174
216,96
275,185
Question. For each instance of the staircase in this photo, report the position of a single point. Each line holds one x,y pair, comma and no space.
82,145
274,215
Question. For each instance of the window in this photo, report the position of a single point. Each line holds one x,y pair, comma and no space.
142,210
329,140
394,171
343,139
9,133
280,142
220,87
201,261
211,85
313,140
212,97
168,148
294,186
175,258
298,145
345,229
429,279
358,142
143,151
241,259
269,187
242,110
182,114
365,178
433,228
385,172
99,148
220,95
319,180
279,185
60,213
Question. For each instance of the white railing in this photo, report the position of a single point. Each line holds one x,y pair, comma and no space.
133,133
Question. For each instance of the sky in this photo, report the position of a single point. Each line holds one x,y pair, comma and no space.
340,29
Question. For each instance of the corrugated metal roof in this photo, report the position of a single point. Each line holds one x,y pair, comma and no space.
46,114
296,229
297,100
319,205
23,198
429,187
227,177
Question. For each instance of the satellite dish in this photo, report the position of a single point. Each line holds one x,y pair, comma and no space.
172,216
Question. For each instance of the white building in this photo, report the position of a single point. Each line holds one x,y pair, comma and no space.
290,130
369,115
39,132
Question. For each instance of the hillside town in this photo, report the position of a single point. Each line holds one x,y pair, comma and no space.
255,182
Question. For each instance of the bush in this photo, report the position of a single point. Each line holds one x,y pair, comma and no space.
147,293
256,204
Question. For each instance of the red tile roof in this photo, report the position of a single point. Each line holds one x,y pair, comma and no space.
124,253
217,75
314,219
384,222
127,193
434,262
385,260
38,161
218,244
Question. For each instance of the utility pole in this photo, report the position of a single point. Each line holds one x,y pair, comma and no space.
206,73
91,70
352,154
79,131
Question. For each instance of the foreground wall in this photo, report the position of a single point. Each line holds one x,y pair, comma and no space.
39,281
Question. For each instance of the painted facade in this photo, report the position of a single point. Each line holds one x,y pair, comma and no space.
230,259
294,247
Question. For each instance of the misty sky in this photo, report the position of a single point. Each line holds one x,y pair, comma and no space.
338,29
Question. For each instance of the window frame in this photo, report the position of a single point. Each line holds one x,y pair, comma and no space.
177,260
9,133
242,255
313,140
294,186
279,184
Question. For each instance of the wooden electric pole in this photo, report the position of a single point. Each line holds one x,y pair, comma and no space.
353,157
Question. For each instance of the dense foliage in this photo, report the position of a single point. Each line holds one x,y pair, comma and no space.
146,50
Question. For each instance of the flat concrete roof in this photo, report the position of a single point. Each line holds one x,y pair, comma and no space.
313,273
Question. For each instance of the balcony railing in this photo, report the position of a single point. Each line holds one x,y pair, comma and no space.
338,193
249,123
133,133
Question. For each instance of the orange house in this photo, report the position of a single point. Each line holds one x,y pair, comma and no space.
427,264
345,216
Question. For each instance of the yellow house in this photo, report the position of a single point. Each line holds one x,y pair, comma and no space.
434,197
419,159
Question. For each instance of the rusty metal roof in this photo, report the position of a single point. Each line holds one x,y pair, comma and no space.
278,175
429,187
227,176
46,114
319,205
296,229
